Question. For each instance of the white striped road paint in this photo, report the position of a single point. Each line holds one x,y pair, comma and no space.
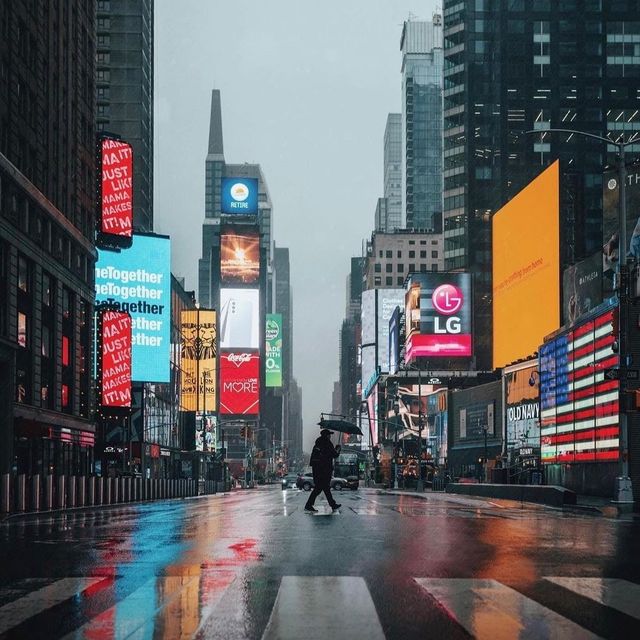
620,595
490,610
14,613
321,607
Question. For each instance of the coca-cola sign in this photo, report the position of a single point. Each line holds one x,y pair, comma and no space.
239,383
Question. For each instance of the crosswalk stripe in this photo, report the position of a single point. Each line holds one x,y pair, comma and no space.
15,613
491,610
618,594
342,603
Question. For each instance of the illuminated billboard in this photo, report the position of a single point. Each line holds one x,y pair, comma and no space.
526,268
116,191
138,281
206,432
239,383
114,359
438,309
394,341
579,406
522,394
388,300
198,360
610,203
581,288
239,196
239,258
368,339
273,354
239,319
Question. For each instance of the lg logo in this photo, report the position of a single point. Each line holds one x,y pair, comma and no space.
447,300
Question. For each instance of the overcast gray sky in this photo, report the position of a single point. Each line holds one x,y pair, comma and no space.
306,88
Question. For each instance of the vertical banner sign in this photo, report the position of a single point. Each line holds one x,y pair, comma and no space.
239,383
115,359
116,160
198,361
273,362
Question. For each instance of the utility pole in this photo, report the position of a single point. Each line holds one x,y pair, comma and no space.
419,484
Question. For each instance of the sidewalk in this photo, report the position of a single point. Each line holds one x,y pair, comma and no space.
587,505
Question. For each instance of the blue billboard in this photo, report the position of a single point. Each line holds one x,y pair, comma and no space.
240,196
138,280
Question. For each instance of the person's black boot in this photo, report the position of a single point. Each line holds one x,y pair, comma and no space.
309,509
336,506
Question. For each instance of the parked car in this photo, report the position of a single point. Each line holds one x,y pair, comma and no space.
289,481
305,481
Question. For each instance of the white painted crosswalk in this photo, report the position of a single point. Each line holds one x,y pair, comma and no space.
310,607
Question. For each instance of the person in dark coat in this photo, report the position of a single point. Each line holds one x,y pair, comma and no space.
322,458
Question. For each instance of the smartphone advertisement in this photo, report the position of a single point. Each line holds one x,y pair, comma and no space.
239,319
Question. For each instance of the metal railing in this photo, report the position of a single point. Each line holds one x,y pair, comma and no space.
24,494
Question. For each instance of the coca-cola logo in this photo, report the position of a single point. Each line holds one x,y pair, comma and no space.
239,358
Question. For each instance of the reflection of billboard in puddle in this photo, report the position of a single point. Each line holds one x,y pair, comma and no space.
239,258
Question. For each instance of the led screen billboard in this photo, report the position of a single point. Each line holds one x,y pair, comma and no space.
206,436
239,318
114,359
394,341
273,357
239,383
579,407
138,281
526,269
610,203
198,360
581,288
522,395
239,196
368,339
116,190
239,258
438,309
388,300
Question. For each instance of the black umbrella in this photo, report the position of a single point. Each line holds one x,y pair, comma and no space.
340,425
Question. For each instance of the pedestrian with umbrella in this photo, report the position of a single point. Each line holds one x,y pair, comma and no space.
321,461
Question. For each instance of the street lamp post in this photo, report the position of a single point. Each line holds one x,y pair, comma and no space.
419,483
622,285
396,412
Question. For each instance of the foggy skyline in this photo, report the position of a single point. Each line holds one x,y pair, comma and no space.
305,93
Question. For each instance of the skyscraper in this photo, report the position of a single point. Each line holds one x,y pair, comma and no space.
392,172
518,65
47,222
124,91
422,68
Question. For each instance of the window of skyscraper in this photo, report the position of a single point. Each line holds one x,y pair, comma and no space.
389,281
377,267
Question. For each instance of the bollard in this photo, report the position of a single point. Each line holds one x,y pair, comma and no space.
106,490
61,495
35,492
48,493
21,492
71,492
91,491
115,491
81,491
5,493
99,491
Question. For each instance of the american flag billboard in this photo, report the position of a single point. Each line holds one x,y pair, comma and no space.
579,407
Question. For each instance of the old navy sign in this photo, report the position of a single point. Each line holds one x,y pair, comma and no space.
240,196
444,311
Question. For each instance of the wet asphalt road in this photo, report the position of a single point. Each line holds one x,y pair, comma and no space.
251,564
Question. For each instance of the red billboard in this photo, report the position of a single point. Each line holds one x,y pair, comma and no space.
116,170
239,383
115,359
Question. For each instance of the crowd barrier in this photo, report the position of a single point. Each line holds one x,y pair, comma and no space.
23,494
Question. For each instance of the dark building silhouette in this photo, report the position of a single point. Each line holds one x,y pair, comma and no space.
47,220
518,65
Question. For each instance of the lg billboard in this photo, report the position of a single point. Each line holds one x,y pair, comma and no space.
240,196
526,269
438,316
138,281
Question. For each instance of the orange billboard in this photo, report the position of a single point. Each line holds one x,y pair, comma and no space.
526,269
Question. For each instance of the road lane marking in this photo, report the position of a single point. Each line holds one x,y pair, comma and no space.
618,594
343,604
490,610
17,612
